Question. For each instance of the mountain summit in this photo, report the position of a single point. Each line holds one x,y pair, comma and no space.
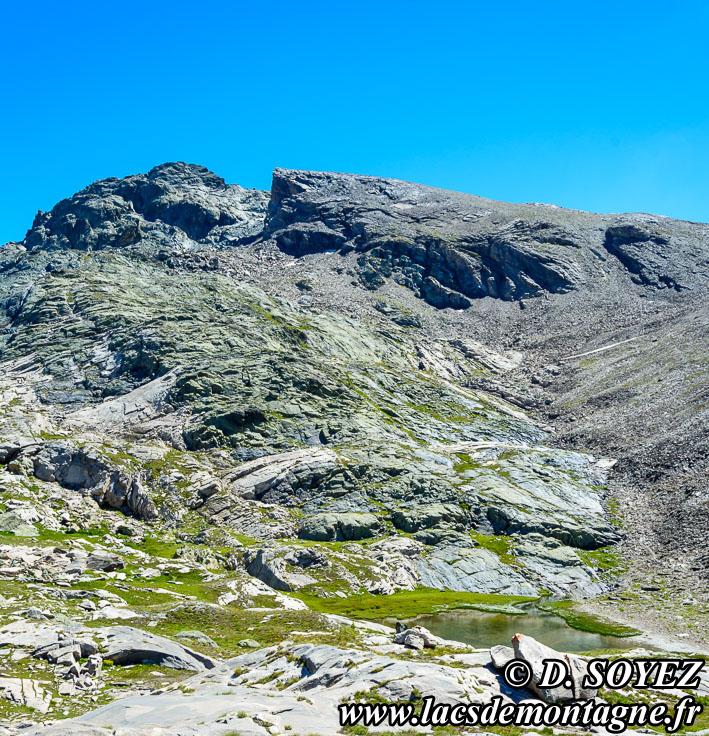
223,405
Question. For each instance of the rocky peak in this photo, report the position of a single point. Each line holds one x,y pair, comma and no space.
171,203
448,248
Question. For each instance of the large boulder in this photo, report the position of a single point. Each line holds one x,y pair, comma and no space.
428,515
11,523
417,637
104,561
501,655
126,645
280,567
268,566
331,527
535,653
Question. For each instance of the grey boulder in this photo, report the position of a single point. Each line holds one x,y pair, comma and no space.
417,637
535,653
330,527
501,655
126,645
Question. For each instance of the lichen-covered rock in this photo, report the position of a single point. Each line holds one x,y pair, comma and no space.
26,692
172,197
423,517
331,527
11,523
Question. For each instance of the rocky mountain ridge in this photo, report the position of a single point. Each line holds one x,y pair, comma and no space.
348,386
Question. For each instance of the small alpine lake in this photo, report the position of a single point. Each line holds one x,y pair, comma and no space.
483,629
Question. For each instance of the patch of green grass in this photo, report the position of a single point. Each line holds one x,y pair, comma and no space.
464,463
406,604
604,559
227,626
50,436
48,537
611,652
136,673
499,545
613,511
586,621
155,546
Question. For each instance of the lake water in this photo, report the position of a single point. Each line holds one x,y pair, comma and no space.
483,630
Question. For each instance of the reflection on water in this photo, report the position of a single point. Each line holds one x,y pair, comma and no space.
487,629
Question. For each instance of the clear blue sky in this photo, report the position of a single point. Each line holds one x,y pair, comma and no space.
594,105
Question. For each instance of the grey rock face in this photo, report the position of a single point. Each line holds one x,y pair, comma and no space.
104,562
11,523
644,249
423,517
299,693
430,240
451,248
278,477
285,568
169,201
501,655
268,566
450,567
72,467
66,644
538,491
338,527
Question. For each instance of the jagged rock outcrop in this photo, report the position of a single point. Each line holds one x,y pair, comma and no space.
656,255
451,248
75,468
171,203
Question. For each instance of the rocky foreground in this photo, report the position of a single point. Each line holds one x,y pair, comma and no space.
288,688
232,421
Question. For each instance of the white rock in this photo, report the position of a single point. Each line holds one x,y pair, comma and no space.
25,692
